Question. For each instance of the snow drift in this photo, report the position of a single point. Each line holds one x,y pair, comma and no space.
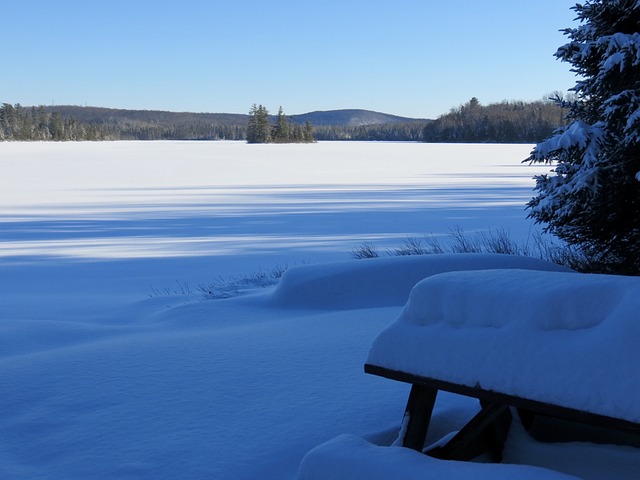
351,458
381,282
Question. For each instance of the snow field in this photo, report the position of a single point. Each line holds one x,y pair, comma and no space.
99,380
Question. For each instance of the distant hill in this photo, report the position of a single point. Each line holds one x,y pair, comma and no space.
99,115
351,118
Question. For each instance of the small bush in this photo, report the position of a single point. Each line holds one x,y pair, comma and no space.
411,246
434,244
366,250
500,242
232,287
490,242
181,289
225,287
464,244
416,246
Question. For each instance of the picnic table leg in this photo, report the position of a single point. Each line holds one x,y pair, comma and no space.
417,416
487,431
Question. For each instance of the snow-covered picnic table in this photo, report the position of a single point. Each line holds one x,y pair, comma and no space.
563,344
534,336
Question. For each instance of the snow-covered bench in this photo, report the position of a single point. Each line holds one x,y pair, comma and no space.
559,344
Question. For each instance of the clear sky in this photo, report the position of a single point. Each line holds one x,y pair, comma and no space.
416,58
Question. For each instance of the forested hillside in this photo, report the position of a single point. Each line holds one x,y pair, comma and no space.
387,132
159,125
67,122
352,118
38,124
504,122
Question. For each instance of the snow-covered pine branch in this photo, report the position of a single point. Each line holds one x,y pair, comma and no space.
592,200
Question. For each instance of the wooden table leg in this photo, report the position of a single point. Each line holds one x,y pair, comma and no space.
486,432
417,416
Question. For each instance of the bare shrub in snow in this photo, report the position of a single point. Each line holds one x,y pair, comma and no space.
366,250
411,246
499,241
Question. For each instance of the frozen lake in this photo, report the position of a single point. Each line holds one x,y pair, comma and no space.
154,213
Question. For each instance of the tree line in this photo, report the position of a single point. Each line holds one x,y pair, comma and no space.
259,130
23,124
387,132
41,123
503,122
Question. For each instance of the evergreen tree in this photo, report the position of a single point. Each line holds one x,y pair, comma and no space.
258,130
281,131
308,132
593,198
298,134
56,126
7,120
252,126
263,125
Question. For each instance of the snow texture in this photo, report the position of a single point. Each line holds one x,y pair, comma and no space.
351,458
384,281
99,380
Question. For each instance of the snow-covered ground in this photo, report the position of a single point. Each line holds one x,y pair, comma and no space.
98,379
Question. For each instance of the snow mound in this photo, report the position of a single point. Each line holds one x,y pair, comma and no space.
561,337
382,282
348,457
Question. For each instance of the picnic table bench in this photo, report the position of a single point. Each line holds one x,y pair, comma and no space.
549,345
486,432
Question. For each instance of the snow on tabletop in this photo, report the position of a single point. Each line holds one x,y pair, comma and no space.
379,282
348,457
565,338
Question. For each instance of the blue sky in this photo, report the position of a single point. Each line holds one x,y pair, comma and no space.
416,58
